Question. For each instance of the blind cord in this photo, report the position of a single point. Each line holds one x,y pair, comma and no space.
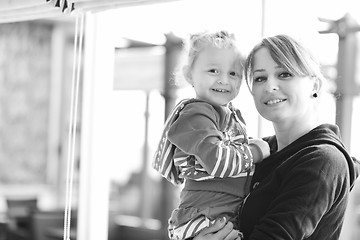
79,29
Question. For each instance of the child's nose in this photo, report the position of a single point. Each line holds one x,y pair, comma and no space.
223,79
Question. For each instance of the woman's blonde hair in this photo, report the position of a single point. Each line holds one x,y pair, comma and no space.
287,53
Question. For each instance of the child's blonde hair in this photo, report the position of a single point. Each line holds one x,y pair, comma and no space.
201,40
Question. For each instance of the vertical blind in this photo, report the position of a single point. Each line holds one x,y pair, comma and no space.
24,10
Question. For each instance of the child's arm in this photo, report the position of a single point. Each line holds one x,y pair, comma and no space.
196,133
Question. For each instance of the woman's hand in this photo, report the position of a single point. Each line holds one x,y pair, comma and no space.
220,230
259,148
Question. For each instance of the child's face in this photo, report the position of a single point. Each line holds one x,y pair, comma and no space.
216,75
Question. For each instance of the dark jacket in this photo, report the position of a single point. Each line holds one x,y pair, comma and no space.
301,192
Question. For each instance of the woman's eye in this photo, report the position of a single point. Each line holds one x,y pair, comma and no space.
259,79
285,75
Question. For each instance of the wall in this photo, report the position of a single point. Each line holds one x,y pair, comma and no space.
24,97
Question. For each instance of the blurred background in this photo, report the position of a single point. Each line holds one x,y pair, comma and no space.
124,57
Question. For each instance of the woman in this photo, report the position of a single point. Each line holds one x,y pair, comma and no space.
301,191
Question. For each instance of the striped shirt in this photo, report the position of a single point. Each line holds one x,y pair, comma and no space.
202,141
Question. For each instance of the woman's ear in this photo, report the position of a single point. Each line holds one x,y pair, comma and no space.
317,84
187,74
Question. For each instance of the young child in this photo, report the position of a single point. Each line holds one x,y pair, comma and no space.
204,141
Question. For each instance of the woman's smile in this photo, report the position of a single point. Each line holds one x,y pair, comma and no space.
274,101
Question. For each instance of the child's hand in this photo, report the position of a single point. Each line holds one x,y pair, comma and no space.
220,230
262,147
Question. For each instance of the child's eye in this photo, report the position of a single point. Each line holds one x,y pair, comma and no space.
214,71
234,74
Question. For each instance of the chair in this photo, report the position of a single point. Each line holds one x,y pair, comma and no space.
48,225
18,214
2,230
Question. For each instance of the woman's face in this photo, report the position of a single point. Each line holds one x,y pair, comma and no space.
280,96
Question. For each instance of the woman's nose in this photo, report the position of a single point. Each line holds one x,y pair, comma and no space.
272,84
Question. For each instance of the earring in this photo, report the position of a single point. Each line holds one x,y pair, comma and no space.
315,95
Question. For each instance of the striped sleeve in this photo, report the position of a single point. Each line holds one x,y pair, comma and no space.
196,133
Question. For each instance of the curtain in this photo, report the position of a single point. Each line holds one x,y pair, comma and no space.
24,10
100,5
